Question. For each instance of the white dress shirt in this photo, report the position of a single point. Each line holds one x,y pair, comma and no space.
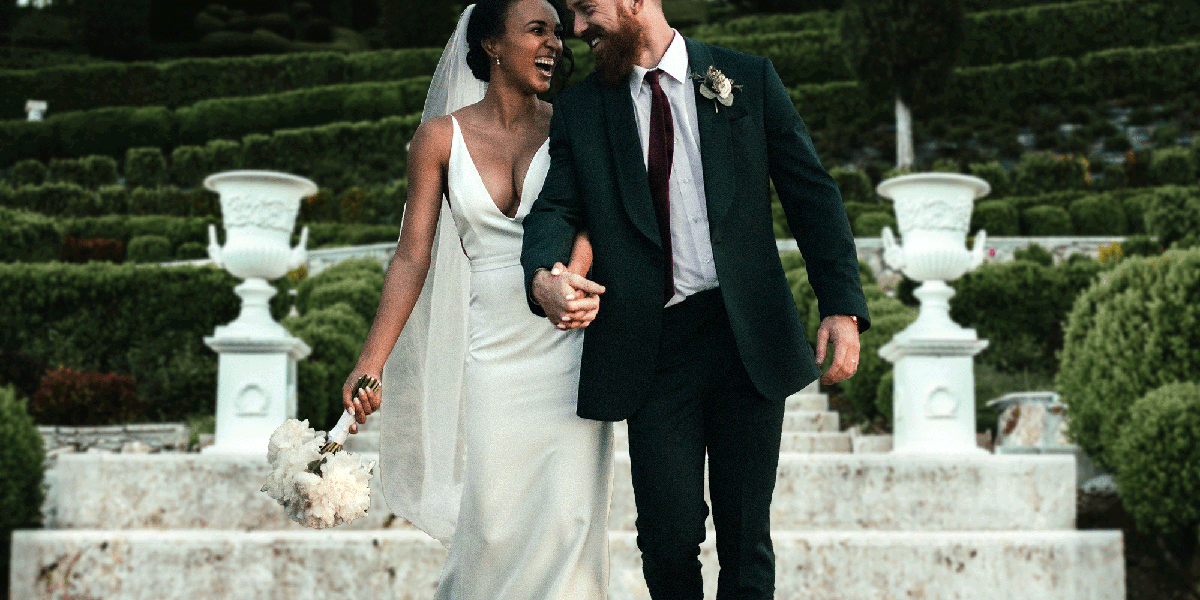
691,246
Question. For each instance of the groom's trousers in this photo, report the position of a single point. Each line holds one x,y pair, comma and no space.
703,401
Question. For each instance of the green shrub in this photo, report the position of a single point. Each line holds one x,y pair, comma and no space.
1020,307
945,165
1040,172
189,166
147,322
1132,331
223,155
149,249
1034,253
335,334
1173,166
1157,460
888,317
191,251
1172,214
1097,215
1140,245
54,199
21,472
28,237
996,175
309,295
996,217
1046,221
29,172
854,185
870,224
323,235
145,167
125,228
114,199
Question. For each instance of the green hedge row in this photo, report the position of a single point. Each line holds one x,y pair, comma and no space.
72,200
821,20
111,131
803,56
28,237
1161,71
144,322
186,81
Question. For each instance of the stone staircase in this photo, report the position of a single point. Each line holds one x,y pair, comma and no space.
847,526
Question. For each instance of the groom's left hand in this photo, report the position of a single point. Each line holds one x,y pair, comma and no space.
842,332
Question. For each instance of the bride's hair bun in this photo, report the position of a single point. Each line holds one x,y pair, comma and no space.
487,21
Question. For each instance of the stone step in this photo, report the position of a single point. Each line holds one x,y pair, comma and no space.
813,492
811,421
405,565
807,401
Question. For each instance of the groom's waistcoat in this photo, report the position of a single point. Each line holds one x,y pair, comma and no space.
597,181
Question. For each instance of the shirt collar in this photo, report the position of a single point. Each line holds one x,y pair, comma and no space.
674,63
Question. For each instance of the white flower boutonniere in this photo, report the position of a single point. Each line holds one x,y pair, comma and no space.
715,86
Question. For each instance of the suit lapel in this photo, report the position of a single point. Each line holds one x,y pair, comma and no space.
627,158
715,142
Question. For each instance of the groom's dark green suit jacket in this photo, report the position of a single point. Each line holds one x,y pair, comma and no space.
597,182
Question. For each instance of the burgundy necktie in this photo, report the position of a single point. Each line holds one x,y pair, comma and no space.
661,152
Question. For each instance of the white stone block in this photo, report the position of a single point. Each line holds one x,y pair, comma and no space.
405,565
810,421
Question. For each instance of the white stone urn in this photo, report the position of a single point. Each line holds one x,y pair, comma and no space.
934,391
259,210
256,380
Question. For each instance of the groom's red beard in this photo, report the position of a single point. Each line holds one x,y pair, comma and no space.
619,49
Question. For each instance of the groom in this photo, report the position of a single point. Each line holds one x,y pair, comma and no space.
664,155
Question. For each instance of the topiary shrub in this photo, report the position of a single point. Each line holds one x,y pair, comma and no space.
114,199
1140,245
888,317
854,185
871,224
191,251
189,166
1173,166
98,171
1171,214
28,236
1034,253
1046,221
1097,215
335,334
149,249
145,167
1041,172
222,155
70,397
1156,457
358,269
1135,329
996,217
29,172
22,470
996,175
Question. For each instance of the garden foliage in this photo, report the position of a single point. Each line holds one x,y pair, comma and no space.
78,398
28,236
1135,329
1157,460
1172,214
21,473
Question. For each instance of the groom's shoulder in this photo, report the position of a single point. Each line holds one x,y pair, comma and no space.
579,94
728,58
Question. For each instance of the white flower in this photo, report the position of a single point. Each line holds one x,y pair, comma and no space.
714,85
317,490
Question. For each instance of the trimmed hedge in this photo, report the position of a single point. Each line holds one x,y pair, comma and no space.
110,131
1157,459
1132,331
182,82
91,172
28,237
992,91
1174,166
1097,215
22,470
996,217
1172,214
871,224
149,249
1046,221
854,184
147,322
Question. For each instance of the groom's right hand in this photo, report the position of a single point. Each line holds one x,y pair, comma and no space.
570,301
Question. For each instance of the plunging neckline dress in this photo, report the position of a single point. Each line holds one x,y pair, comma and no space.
533,519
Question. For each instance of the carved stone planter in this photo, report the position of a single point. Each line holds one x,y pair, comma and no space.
934,394
256,386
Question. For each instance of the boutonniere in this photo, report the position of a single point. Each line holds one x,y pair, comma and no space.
715,86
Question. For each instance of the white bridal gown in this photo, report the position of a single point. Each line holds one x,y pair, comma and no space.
536,479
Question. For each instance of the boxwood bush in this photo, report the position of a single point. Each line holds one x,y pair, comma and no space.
1172,214
1134,330
28,236
1156,457
1046,221
996,217
21,472
1173,166
149,249
870,224
1097,215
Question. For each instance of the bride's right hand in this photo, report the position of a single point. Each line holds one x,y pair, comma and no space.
362,403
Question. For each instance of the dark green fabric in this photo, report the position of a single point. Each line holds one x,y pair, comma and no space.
597,181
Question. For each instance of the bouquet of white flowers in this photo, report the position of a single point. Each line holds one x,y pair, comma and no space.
317,484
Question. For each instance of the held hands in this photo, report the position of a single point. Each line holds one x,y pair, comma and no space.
570,300
362,403
842,332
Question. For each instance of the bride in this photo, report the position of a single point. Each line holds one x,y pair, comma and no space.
480,445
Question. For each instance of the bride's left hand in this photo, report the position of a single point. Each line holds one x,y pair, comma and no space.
360,402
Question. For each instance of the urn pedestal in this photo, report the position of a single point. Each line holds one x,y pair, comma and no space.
256,380
934,390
